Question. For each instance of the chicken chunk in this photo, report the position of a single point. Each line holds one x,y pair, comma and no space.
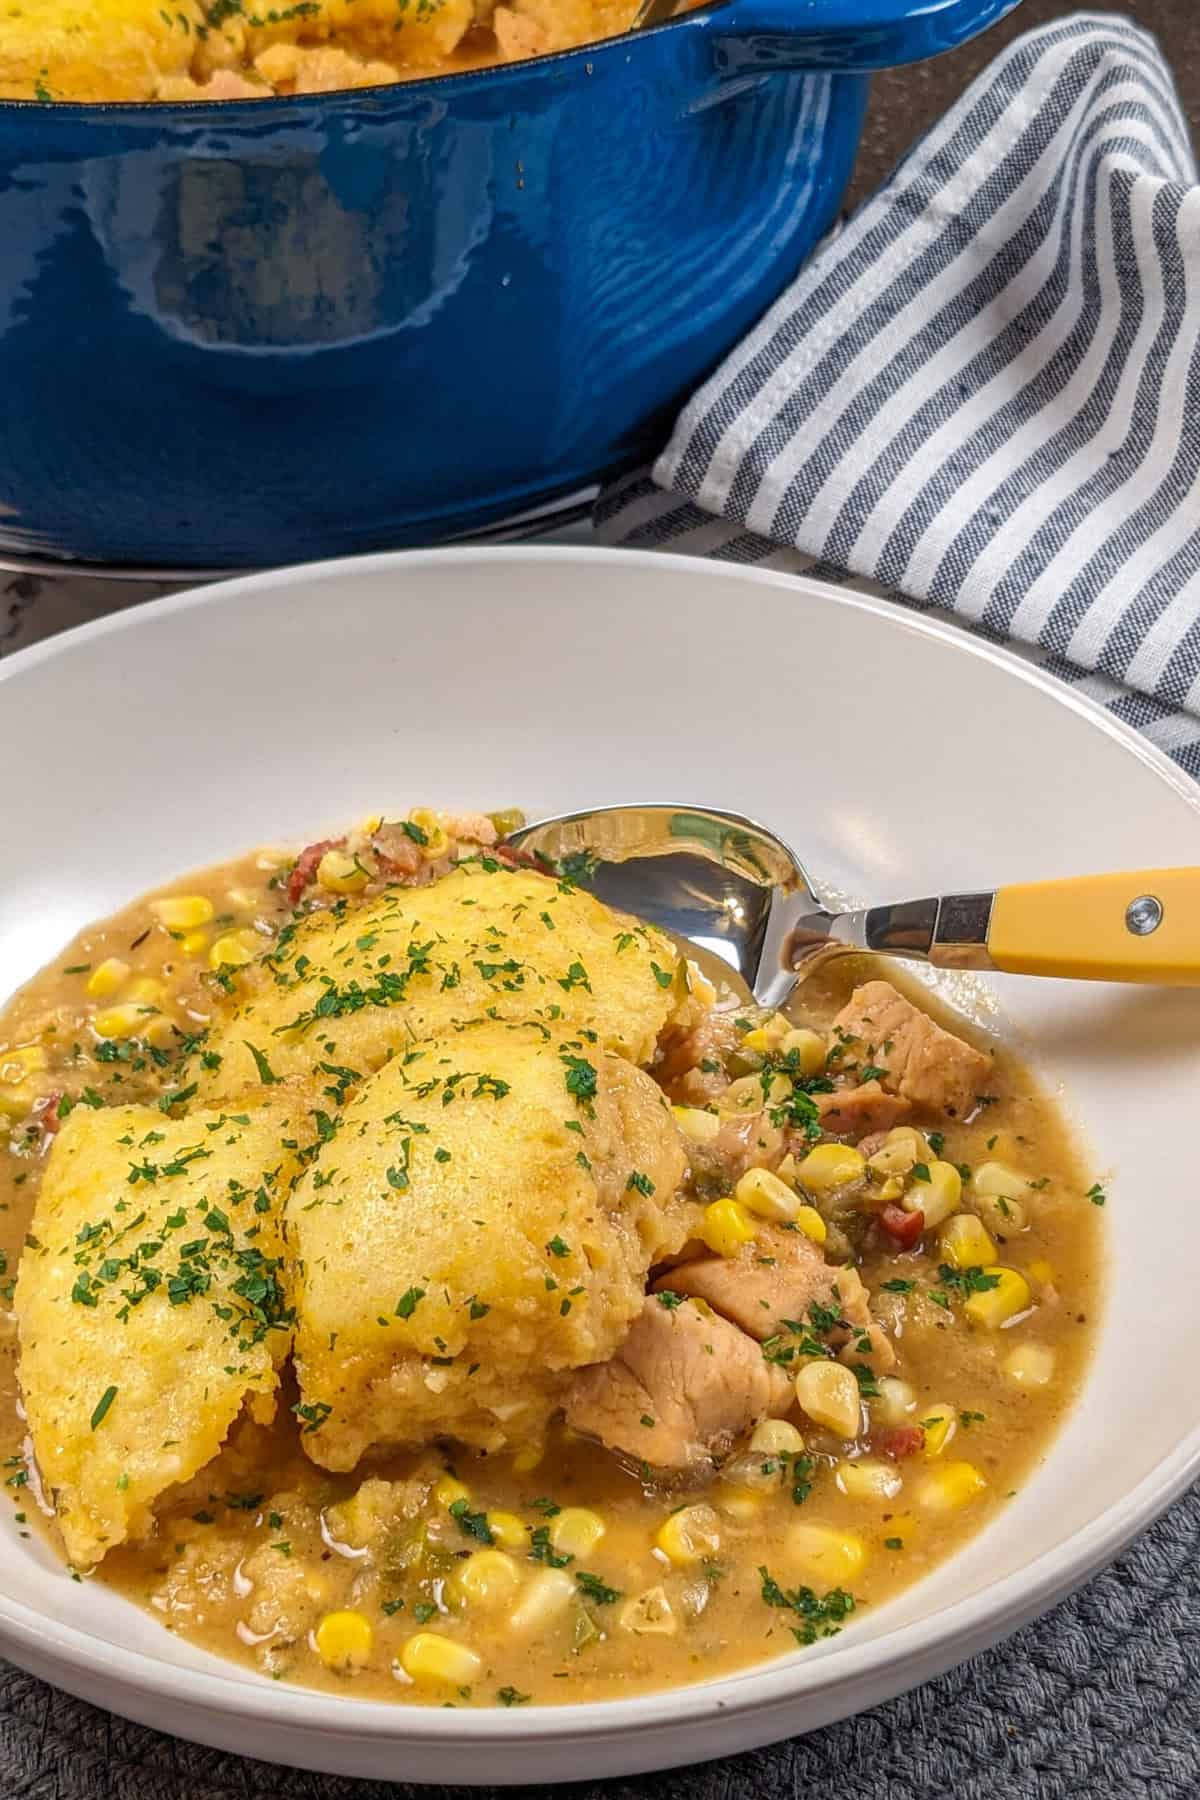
351,987
479,1226
774,1283
150,1304
857,1112
920,1062
683,1385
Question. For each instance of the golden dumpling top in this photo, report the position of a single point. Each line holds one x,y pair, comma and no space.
102,50
347,988
479,1223
150,1304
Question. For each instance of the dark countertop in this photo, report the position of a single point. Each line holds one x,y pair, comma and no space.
906,102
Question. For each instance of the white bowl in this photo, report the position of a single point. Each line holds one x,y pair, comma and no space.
896,754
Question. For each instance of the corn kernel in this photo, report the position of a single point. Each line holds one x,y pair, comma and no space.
487,1579
546,1598
746,1093
1042,1272
807,1048
828,1394
1030,1365
182,912
146,991
741,1503
939,1422
649,1614
509,818
901,1148
575,1531
107,977
344,1641
194,943
371,824
430,1657
830,1166
437,838
996,1179
689,1535
698,984
787,1170
938,1197
768,1036
697,1125
120,1021
528,1458
824,1556
1000,1305
447,1490
233,948
17,1098
338,873
892,1188
869,1479
953,1485
509,1531
725,1227
158,1031
1000,1215
896,1403
765,1195
777,1437
25,1059
965,1244
812,1224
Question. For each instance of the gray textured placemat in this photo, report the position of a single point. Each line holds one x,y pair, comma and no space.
1100,1698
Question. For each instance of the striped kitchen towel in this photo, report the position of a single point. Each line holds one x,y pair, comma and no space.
982,397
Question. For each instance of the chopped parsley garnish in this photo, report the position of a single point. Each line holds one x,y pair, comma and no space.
595,1589
101,1410
642,1183
822,1617
266,1073
472,1524
408,1302
511,1696
1096,1194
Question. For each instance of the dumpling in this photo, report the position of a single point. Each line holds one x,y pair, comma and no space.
150,1304
480,1223
344,989
94,49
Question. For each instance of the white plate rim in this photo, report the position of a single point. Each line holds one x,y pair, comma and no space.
981,1619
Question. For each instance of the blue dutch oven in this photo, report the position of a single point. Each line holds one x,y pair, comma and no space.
257,332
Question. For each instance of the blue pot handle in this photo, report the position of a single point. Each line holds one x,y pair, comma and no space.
855,36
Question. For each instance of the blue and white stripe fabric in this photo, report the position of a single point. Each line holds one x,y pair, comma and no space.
982,397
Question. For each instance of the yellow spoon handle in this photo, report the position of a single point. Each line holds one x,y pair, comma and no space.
1143,926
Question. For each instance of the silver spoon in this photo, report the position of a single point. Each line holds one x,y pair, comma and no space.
736,890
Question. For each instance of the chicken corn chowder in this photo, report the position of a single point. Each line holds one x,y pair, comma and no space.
422,1281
